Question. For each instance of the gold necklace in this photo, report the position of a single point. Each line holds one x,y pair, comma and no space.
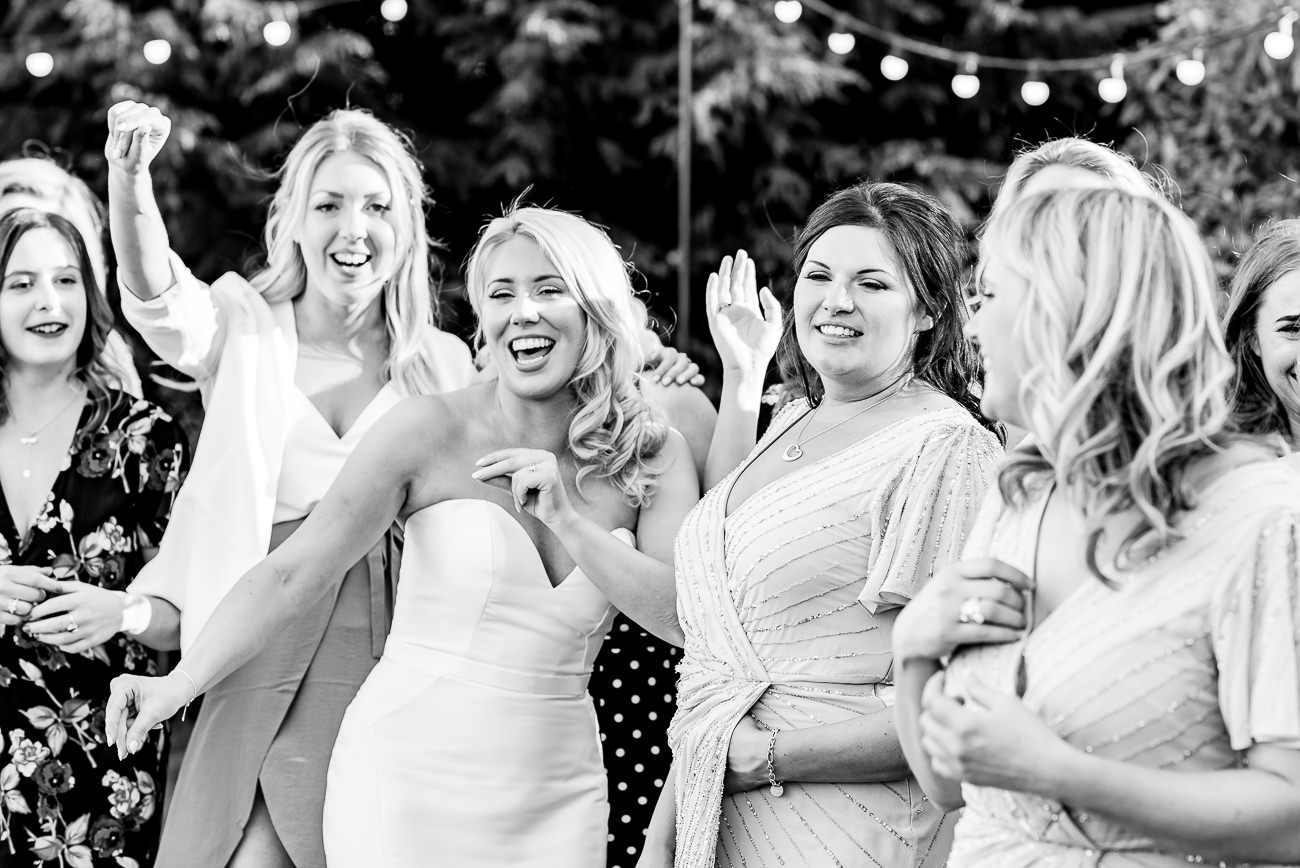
794,451
34,437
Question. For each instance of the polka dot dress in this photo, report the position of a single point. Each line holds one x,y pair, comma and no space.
634,687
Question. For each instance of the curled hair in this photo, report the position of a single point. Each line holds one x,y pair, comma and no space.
409,302
1126,386
1276,252
614,432
927,241
90,369
1113,169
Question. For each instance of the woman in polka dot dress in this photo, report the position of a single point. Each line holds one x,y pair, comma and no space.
634,686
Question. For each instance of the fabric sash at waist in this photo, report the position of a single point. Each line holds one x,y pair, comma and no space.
431,661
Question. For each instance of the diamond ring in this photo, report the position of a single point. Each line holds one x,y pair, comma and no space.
971,611
12,608
72,625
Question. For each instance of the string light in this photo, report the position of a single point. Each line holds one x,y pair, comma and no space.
393,10
157,51
1035,92
1280,43
1191,70
1113,89
277,32
787,11
966,83
841,42
893,67
40,63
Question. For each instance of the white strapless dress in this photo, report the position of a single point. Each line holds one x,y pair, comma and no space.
473,742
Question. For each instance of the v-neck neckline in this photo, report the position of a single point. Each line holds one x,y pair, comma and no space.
758,453
18,543
289,323
356,423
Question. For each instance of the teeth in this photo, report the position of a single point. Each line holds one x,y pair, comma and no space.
48,328
837,331
351,259
520,345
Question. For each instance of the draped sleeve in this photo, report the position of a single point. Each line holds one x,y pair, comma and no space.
923,516
1255,623
185,325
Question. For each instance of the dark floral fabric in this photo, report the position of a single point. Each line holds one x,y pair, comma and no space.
65,797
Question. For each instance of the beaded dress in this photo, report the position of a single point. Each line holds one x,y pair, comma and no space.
1182,665
787,606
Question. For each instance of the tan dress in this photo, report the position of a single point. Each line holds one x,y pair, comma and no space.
787,606
1184,665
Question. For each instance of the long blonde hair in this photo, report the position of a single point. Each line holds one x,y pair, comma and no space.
1126,389
1112,168
409,302
614,431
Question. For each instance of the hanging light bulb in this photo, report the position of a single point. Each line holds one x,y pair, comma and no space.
787,11
1035,92
40,63
393,10
1191,70
893,67
1280,43
157,51
1113,88
841,41
966,83
277,32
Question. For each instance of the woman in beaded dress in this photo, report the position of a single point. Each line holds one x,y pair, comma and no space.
793,568
1121,686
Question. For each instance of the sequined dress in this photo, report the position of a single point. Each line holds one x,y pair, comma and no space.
1186,663
787,606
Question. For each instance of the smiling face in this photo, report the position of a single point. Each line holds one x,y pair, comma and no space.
348,237
855,313
1277,340
42,302
531,320
1002,294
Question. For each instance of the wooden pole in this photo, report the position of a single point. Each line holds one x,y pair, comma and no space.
685,15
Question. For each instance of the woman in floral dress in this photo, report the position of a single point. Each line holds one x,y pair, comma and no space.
87,476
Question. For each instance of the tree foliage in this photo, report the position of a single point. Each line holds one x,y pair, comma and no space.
575,102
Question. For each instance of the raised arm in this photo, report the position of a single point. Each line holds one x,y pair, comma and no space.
746,328
640,583
136,133
367,496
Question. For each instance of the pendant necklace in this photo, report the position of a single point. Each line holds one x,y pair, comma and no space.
794,451
34,437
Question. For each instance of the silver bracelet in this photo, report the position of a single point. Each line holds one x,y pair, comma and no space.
777,787
193,687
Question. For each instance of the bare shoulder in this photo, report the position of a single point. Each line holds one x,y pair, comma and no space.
678,402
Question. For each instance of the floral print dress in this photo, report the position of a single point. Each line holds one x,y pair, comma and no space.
65,797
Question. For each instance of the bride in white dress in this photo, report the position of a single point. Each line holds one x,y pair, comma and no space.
473,742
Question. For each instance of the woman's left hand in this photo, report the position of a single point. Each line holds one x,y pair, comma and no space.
746,757
992,740
532,476
78,617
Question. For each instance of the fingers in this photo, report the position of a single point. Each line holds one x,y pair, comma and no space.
131,125
681,371
771,307
724,283
748,282
508,462
986,697
711,297
120,695
50,626
53,606
992,568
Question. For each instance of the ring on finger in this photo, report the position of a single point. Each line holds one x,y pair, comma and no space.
12,608
72,625
532,468
971,611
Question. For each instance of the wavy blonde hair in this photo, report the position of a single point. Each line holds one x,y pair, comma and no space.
615,431
410,306
57,190
1113,169
1127,387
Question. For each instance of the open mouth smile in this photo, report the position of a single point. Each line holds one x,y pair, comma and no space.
48,329
351,261
531,352
837,330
